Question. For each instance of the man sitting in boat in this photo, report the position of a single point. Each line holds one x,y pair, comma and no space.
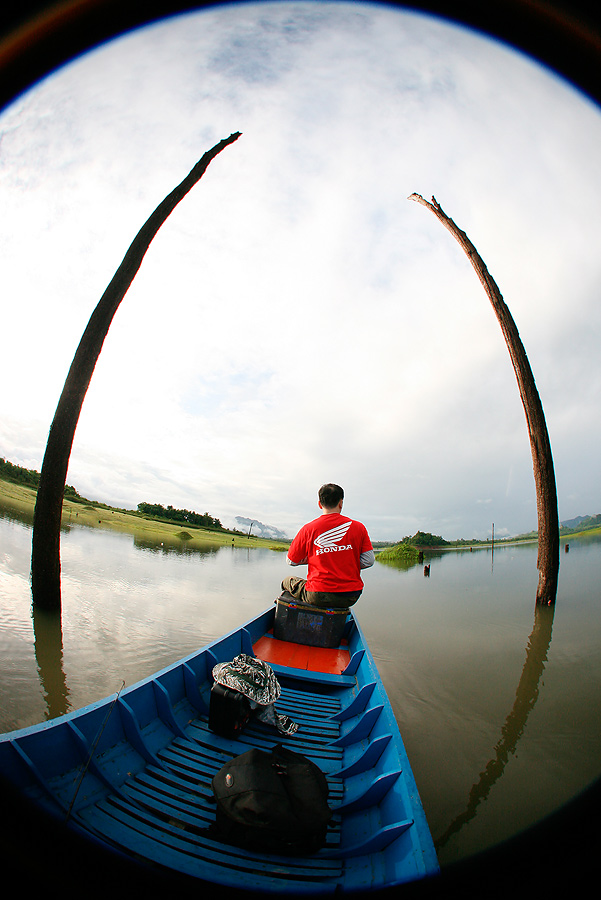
335,548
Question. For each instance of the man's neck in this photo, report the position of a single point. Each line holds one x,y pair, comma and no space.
337,510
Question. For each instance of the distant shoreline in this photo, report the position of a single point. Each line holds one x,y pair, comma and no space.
20,499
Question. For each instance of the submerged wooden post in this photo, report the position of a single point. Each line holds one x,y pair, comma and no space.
542,459
45,556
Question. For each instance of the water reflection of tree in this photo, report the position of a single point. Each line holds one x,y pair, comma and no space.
175,546
525,698
48,649
12,514
404,564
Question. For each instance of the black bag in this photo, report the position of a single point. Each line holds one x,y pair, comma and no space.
273,802
229,711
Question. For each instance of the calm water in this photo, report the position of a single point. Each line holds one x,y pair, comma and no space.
499,708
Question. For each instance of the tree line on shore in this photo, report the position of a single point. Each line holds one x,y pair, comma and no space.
31,478
185,516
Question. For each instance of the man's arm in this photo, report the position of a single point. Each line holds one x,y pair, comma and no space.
302,562
367,559
297,548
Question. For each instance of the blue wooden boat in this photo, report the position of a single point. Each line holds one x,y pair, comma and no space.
133,772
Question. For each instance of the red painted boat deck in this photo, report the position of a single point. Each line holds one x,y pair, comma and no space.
301,656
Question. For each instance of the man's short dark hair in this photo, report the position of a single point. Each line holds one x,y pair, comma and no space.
330,495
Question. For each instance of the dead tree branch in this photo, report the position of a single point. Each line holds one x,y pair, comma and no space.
45,557
542,459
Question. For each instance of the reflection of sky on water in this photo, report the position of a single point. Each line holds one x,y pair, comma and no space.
452,650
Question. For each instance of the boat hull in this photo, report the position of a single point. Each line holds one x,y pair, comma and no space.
133,772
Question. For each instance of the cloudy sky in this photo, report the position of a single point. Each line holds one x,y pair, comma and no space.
297,319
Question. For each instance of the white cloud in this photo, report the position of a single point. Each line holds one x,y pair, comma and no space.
297,319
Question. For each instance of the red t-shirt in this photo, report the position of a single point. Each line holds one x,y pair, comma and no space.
331,545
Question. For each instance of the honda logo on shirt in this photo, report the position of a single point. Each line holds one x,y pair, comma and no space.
329,541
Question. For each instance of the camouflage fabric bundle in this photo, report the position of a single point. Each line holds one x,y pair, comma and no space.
251,677
256,680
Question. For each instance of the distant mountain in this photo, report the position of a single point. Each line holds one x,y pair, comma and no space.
258,528
581,523
572,523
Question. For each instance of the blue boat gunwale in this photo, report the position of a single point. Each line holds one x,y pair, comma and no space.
182,682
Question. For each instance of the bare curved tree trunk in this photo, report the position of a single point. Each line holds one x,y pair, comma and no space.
542,459
45,557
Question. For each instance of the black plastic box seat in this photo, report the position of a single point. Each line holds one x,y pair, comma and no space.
301,623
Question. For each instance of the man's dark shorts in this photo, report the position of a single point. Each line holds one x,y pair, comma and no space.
335,600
